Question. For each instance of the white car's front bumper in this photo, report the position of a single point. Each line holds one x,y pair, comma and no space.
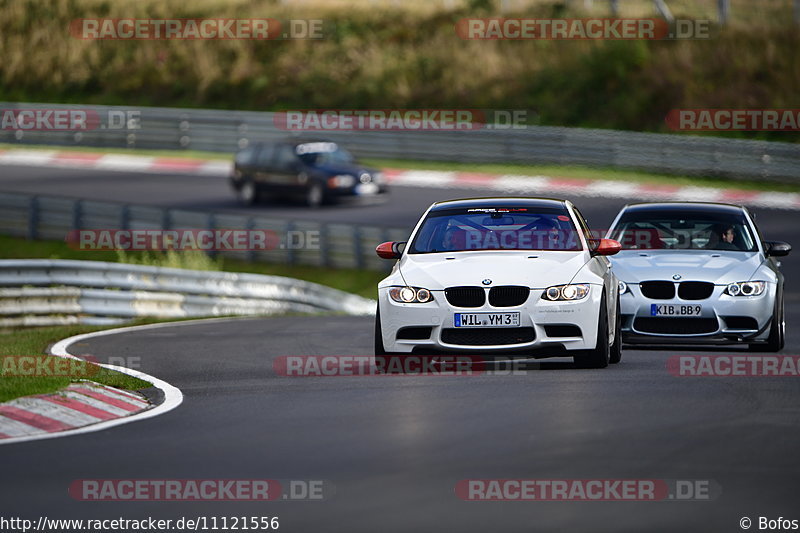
433,325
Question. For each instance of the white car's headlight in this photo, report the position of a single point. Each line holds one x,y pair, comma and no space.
342,180
623,287
746,288
566,292
410,295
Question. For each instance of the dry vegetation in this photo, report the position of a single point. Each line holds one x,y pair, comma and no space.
394,53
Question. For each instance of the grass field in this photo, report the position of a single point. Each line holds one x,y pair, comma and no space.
35,342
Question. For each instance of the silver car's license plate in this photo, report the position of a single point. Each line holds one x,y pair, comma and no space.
485,320
675,310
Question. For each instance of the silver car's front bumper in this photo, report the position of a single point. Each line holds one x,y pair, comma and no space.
721,320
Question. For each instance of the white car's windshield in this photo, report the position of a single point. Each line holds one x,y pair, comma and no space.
502,228
653,230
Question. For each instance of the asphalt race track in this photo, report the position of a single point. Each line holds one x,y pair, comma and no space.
394,447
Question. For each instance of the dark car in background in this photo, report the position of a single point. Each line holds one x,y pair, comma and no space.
312,171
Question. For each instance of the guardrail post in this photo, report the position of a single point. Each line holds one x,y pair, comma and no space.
33,218
291,257
358,249
211,224
125,217
166,219
324,245
77,214
250,225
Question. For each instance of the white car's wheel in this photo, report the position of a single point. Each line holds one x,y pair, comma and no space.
598,357
385,361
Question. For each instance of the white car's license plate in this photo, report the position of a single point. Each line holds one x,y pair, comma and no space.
675,310
485,320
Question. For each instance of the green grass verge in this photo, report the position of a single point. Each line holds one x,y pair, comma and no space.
34,342
560,171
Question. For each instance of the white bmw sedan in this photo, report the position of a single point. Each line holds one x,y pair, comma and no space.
501,275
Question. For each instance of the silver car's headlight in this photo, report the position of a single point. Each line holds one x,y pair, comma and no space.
410,295
746,288
566,292
623,287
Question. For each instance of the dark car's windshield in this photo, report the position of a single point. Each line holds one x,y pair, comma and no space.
502,228
661,229
323,153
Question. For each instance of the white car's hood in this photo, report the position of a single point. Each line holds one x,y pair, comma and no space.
531,268
720,267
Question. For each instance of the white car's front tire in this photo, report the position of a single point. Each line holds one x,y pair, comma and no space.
600,356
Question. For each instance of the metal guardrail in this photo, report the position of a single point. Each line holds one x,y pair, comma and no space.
225,131
45,292
340,245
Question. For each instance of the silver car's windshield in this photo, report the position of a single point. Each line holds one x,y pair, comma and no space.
506,228
661,229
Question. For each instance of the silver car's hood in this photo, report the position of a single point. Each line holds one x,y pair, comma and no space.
719,267
434,272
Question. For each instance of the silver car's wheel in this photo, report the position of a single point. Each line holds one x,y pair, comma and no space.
616,348
777,331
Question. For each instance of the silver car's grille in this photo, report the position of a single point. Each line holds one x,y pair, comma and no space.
695,290
658,290
687,290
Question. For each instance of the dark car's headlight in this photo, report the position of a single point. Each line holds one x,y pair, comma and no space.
746,288
558,293
410,295
342,180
